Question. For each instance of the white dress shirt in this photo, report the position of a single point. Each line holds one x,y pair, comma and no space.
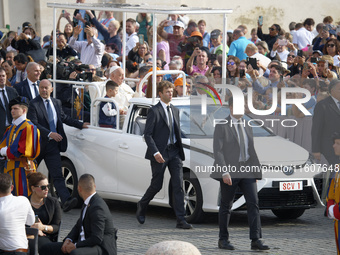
15,212
131,41
167,117
336,101
302,38
86,202
242,126
30,84
20,76
53,110
90,54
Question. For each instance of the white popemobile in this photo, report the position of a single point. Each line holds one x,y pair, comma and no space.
115,157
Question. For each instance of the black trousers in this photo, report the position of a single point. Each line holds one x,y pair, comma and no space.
12,253
55,249
2,165
249,189
51,154
175,166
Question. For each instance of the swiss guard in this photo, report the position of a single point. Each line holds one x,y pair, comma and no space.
20,145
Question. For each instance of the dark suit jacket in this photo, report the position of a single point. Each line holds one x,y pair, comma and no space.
157,131
11,94
38,115
23,89
53,209
227,151
98,227
326,121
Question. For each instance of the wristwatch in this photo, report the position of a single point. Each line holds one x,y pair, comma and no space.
45,229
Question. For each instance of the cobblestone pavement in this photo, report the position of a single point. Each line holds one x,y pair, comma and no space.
312,233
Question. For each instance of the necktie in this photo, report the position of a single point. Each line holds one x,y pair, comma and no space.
170,125
82,211
5,102
35,90
242,143
50,116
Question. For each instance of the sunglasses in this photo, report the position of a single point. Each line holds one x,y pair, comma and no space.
293,56
271,29
43,187
330,45
231,63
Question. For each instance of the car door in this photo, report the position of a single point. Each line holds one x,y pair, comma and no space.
134,171
95,150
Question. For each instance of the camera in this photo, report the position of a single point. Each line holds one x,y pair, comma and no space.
64,69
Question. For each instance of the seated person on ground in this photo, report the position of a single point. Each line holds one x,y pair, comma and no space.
46,209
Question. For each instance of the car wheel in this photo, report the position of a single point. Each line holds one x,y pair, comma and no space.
288,213
71,179
193,199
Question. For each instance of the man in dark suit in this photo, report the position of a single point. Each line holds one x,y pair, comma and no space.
326,121
94,232
163,137
46,113
6,95
29,87
234,149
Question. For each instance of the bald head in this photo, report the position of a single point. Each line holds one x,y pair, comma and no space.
45,89
86,186
33,71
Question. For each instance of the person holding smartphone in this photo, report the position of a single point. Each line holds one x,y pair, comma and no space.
270,38
281,47
46,208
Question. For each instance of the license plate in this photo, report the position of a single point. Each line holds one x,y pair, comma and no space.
290,186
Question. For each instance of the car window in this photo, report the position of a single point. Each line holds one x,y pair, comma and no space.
138,120
195,125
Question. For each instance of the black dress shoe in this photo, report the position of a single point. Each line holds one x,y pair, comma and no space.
140,214
70,203
226,245
258,245
183,225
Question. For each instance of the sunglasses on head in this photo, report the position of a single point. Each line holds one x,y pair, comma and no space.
231,63
43,187
330,45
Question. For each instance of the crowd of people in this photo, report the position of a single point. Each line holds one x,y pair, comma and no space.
89,48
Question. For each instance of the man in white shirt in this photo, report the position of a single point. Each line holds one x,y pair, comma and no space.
304,36
91,51
131,35
15,212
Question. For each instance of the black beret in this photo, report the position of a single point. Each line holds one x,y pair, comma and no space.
19,100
